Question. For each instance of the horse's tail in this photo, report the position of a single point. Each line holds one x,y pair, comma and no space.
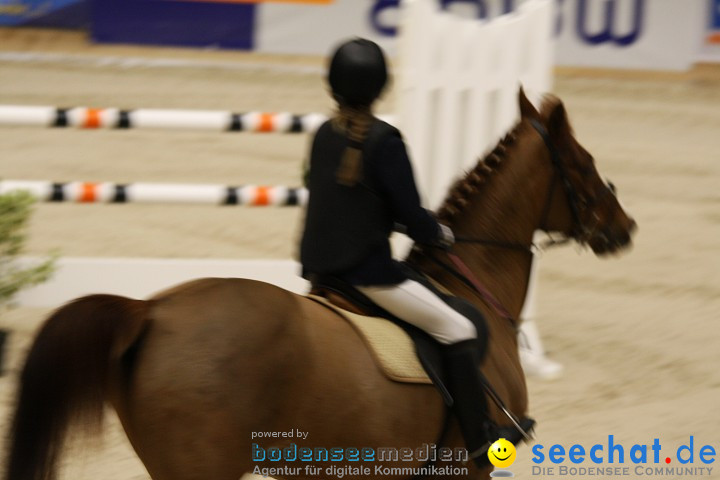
66,378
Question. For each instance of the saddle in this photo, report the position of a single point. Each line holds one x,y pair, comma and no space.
403,352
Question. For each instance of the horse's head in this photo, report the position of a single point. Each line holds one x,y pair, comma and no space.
579,203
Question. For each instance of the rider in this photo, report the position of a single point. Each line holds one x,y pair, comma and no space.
361,183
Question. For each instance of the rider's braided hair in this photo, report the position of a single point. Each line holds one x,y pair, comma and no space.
353,122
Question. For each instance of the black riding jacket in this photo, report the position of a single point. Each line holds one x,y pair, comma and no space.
347,229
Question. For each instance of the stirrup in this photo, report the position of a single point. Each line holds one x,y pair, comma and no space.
514,435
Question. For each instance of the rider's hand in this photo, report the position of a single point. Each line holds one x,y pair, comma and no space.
446,239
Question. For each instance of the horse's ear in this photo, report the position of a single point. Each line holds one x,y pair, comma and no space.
558,121
526,108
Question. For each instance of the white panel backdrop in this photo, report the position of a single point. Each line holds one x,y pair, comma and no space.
669,36
664,34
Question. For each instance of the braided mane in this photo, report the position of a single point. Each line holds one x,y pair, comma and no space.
458,196
473,181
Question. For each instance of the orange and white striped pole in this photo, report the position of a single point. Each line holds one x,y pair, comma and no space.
168,119
159,193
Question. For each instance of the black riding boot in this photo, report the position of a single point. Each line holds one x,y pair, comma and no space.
462,364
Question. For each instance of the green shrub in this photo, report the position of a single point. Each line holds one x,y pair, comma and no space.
15,210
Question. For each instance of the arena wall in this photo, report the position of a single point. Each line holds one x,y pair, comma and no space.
636,34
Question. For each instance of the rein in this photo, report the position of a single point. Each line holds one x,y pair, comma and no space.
498,243
484,292
465,275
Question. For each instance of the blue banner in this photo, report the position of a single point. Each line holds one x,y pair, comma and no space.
716,15
45,13
170,22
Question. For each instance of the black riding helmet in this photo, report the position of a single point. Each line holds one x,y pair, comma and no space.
358,72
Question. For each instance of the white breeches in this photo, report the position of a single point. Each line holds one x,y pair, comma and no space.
414,303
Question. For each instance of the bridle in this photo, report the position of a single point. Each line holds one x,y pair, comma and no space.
580,232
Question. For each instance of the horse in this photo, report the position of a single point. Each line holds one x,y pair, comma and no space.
200,371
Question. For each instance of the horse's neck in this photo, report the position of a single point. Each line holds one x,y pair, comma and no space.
507,209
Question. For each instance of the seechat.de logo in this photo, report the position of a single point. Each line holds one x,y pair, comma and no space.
616,459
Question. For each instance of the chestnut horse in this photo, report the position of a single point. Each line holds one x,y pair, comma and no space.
199,373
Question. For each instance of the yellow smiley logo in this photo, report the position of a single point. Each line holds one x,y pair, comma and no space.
501,453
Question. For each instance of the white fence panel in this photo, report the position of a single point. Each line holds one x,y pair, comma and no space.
458,83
